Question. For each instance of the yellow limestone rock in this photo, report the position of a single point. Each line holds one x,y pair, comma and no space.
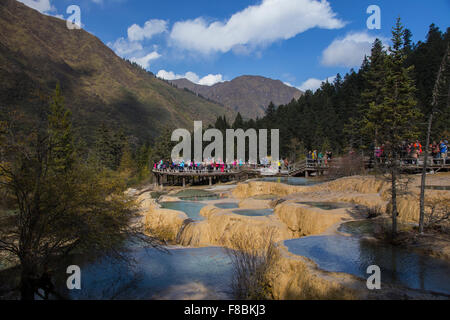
255,188
304,220
255,204
355,184
164,223
222,225
298,278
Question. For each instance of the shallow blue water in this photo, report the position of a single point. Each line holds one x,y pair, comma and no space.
227,205
353,255
192,209
294,181
327,205
155,272
196,195
254,213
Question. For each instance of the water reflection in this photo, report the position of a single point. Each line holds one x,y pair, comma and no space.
353,255
293,181
192,209
227,205
196,195
327,205
254,212
184,273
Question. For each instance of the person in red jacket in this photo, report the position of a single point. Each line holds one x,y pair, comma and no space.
418,147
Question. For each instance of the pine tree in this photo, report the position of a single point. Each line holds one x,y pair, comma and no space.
270,116
440,100
238,122
127,164
109,147
427,58
163,146
393,120
143,158
373,77
60,133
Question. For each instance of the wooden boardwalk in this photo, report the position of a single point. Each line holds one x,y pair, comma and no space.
175,177
301,168
307,167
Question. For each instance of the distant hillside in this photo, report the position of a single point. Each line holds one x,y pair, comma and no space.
250,95
37,51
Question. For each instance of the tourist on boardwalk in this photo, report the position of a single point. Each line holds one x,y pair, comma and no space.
417,151
443,146
435,152
320,158
415,155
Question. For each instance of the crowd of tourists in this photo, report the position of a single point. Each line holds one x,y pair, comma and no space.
318,158
412,152
212,165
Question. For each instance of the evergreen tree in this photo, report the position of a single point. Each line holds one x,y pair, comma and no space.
270,116
163,146
393,121
60,132
426,59
127,164
440,101
109,147
143,161
238,122
373,76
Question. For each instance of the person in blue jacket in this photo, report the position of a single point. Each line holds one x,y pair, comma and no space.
444,150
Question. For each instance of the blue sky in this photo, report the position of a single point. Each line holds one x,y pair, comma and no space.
300,42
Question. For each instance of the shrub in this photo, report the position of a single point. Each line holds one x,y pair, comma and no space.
350,165
374,212
251,266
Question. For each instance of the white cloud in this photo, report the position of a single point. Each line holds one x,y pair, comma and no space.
313,84
254,26
144,61
211,79
132,46
42,6
151,28
208,80
350,50
124,47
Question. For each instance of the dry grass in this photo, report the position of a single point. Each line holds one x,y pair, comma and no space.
251,266
163,232
374,211
437,214
350,165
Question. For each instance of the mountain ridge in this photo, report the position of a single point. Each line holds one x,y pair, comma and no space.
37,51
247,94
